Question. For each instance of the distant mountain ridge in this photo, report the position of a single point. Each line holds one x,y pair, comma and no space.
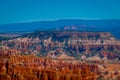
112,26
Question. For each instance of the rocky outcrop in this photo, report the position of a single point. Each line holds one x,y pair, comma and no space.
32,67
73,43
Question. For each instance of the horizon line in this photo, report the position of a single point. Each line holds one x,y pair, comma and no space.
20,22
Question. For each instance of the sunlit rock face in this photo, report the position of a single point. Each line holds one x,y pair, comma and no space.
20,67
25,67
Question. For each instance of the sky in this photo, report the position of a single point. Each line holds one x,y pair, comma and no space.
14,11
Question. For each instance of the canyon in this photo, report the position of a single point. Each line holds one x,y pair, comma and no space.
60,55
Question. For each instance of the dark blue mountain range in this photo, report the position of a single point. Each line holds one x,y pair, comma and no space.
112,26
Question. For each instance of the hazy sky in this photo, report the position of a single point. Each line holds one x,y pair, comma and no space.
12,11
